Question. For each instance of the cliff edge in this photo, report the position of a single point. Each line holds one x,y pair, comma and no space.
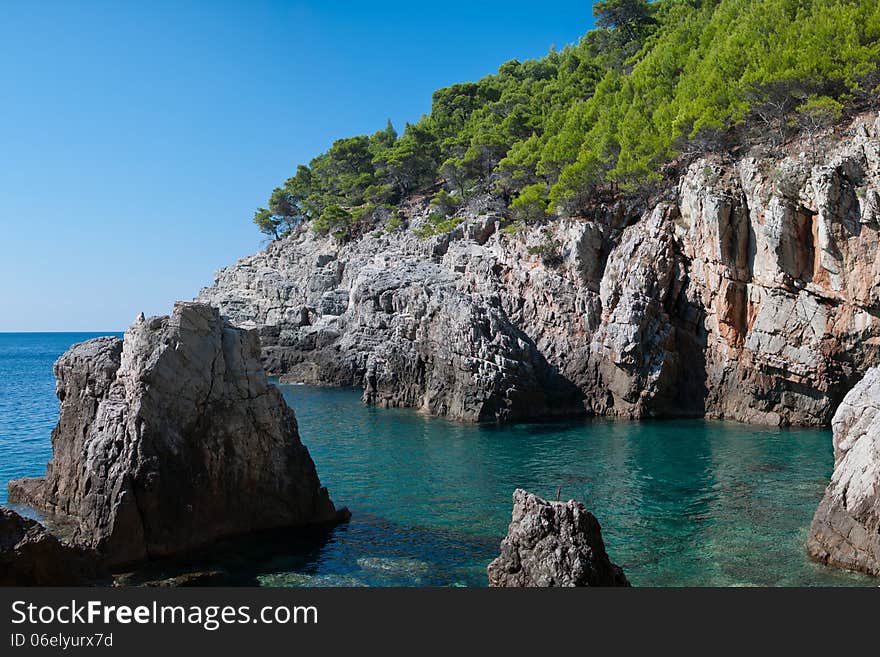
749,291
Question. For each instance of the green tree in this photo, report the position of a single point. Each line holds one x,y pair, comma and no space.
335,221
656,84
267,223
632,19
530,206
814,115
456,173
411,162
383,139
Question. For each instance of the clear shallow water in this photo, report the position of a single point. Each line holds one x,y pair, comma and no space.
685,503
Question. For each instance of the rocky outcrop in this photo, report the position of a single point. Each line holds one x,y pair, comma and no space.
170,439
846,528
400,327
446,352
31,556
750,291
553,544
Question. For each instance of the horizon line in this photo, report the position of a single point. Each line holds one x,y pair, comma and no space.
3,332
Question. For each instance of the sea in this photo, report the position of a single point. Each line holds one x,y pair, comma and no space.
681,502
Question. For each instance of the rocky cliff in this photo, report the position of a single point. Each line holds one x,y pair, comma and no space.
750,291
553,544
170,439
846,528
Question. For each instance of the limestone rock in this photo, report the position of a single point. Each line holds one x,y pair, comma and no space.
553,544
846,528
643,352
172,438
748,291
447,353
31,556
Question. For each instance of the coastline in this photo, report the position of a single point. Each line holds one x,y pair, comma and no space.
342,433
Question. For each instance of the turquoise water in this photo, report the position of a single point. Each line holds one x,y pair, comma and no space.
686,503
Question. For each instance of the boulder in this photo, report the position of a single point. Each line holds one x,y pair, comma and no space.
172,438
31,556
553,544
846,528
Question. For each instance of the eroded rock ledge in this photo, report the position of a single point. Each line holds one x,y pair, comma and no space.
31,556
170,439
750,291
846,528
552,544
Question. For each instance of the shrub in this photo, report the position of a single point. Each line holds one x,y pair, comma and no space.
550,253
446,203
394,223
335,221
513,228
437,224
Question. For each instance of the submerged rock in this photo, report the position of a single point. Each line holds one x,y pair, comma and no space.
172,438
553,544
31,556
846,528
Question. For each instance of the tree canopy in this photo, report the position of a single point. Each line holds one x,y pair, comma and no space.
655,80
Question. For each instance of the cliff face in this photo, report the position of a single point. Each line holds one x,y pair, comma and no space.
750,292
846,528
170,439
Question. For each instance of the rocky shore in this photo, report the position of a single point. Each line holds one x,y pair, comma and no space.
31,556
750,291
170,439
846,528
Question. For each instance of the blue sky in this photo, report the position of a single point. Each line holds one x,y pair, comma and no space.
137,138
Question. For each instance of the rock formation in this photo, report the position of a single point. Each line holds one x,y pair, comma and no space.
553,544
750,291
172,438
31,556
846,528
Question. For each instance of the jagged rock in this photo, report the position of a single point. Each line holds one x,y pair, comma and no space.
643,351
553,544
750,291
172,438
846,528
447,353
400,327
31,556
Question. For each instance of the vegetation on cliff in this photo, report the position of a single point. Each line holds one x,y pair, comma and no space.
654,84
